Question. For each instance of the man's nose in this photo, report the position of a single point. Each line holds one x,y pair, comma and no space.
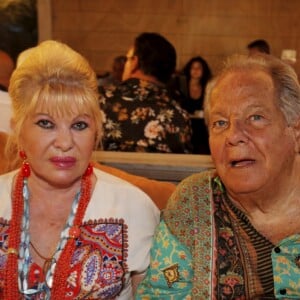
236,133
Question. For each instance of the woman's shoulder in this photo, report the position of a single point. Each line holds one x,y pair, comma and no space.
6,181
110,180
107,178
119,189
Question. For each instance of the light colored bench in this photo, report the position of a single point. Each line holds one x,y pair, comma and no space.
158,166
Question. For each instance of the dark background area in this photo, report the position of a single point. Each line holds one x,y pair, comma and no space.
18,26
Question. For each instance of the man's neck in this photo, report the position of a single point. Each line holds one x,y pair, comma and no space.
142,76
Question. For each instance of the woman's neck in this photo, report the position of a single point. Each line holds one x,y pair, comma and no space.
195,81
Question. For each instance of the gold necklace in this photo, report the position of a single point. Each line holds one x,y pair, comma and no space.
48,260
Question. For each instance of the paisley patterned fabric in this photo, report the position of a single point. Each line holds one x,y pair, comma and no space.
189,216
97,267
230,260
170,274
114,241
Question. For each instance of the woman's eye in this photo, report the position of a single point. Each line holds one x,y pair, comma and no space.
80,125
45,124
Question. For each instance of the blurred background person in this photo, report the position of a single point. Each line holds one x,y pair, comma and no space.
114,77
140,114
196,73
259,46
189,89
18,31
18,26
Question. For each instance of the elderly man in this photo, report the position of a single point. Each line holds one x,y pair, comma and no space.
233,232
139,114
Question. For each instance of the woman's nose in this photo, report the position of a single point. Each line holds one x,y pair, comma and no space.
64,139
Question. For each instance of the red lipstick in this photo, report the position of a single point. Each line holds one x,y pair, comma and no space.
63,162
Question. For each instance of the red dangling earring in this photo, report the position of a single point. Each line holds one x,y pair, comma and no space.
25,166
89,170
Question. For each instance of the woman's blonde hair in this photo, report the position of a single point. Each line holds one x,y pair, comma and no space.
56,77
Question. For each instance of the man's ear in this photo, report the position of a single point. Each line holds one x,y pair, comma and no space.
134,64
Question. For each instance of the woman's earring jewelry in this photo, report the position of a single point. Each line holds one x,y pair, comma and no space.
25,164
89,170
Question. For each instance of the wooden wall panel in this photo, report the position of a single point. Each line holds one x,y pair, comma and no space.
102,29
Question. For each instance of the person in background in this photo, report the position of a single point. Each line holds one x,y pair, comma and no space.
68,231
197,74
6,68
113,78
140,115
233,232
18,26
259,46
190,88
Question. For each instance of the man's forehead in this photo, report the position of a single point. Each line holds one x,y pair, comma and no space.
242,77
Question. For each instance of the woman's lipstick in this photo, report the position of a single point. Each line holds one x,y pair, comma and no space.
63,162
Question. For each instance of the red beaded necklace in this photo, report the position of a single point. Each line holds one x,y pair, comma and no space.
11,289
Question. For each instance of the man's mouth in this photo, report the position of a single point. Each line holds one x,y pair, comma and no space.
242,163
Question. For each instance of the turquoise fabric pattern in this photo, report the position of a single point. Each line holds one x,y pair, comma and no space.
286,268
169,278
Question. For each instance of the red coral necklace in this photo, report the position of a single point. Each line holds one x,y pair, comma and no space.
55,281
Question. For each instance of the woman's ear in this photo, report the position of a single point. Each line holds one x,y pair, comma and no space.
296,130
12,124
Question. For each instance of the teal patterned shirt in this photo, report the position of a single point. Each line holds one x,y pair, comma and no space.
286,268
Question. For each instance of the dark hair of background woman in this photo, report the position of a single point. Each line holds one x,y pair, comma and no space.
207,74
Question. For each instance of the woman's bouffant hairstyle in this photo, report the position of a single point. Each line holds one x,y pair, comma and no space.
54,76
286,84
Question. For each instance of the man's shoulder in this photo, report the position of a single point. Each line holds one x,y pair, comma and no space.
121,91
